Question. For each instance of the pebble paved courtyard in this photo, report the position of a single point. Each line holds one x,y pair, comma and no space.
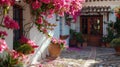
85,57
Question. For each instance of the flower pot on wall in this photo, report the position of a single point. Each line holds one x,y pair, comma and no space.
54,50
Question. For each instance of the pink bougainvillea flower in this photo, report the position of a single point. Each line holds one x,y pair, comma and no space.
7,2
32,44
61,13
54,40
36,4
14,25
10,23
12,2
23,57
3,33
44,30
50,13
40,20
50,16
23,40
61,43
14,54
68,0
45,1
40,65
3,45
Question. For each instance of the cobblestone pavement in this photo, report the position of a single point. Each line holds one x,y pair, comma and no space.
106,57
85,57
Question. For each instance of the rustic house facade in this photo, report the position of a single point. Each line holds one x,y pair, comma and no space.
21,13
93,19
91,23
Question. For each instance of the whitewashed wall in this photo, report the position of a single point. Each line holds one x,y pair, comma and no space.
9,38
39,38
65,29
104,24
78,24
102,3
43,41
57,30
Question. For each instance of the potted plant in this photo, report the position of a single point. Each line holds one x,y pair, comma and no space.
25,46
55,47
11,59
104,41
85,41
79,39
110,36
116,44
72,40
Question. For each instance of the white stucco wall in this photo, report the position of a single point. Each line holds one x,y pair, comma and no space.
39,38
102,3
65,29
9,38
43,41
78,24
57,30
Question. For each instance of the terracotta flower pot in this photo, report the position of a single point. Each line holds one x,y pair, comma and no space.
54,50
107,45
84,44
117,50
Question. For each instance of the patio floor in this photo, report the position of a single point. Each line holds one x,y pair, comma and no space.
85,57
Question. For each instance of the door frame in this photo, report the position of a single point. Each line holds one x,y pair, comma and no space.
87,35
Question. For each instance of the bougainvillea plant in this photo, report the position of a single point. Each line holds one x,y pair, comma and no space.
25,46
46,8
40,9
8,57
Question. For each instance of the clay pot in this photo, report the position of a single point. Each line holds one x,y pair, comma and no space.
54,50
117,50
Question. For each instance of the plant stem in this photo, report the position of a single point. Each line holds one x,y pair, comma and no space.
2,25
2,20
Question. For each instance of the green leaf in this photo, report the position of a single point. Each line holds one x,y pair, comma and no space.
25,49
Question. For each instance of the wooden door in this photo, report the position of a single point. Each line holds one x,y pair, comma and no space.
92,28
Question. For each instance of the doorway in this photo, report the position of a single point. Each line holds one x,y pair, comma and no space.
17,16
92,28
